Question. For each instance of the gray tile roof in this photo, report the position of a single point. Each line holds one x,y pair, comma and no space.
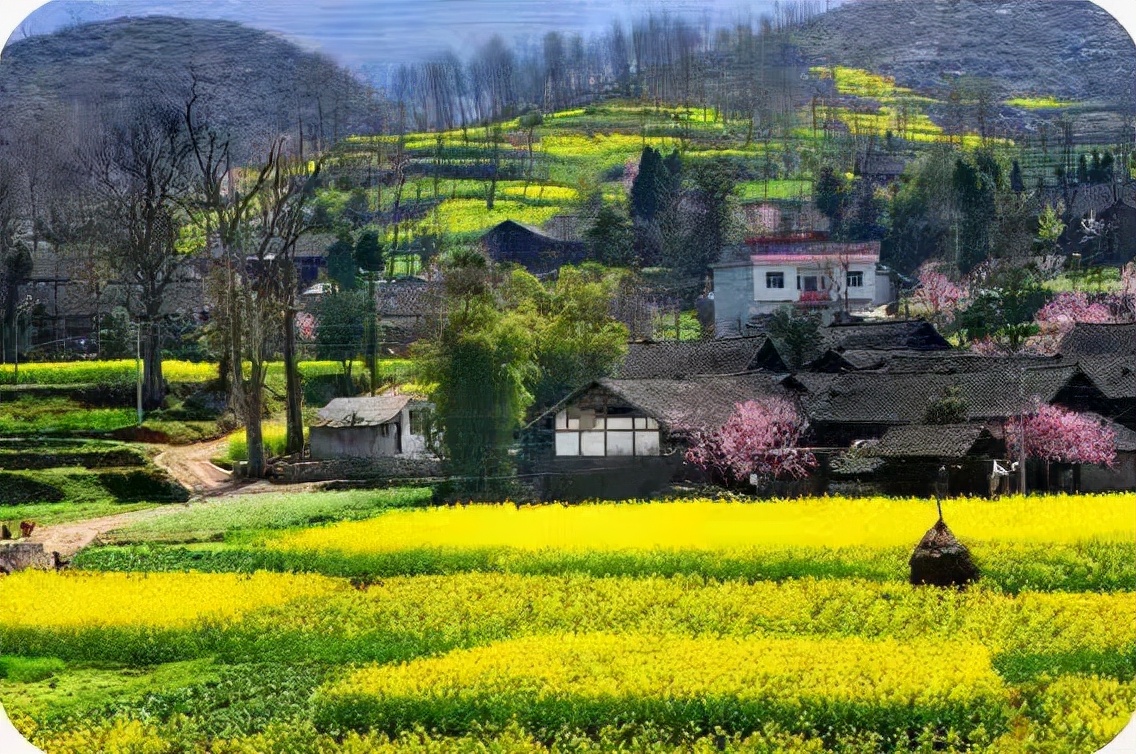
361,412
915,335
688,405
930,441
1115,376
1099,340
689,358
903,398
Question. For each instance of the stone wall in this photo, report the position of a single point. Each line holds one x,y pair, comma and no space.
18,554
357,468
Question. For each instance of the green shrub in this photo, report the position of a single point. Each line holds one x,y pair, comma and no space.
29,669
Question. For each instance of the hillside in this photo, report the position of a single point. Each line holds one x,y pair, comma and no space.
253,80
1071,50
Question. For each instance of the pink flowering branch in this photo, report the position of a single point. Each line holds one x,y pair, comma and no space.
760,437
938,294
1056,435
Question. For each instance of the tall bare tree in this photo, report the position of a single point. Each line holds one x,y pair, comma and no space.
138,169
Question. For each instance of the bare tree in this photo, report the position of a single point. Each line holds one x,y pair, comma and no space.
15,256
255,217
139,171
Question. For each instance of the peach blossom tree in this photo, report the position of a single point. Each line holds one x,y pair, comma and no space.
762,438
1056,435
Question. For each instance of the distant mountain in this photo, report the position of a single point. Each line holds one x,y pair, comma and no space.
1071,49
252,81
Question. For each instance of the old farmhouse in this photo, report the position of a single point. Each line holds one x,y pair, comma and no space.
370,427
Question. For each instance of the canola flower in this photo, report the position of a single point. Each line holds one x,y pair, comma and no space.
480,607
75,599
705,525
579,680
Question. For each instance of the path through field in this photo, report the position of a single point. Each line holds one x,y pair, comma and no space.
188,464
191,465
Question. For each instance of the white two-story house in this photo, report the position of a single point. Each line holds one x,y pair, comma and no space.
803,271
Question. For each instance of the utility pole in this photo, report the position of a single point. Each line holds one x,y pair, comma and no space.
138,368
1022,432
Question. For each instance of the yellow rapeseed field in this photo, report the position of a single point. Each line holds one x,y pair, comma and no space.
77,599
709,525
607,667
464,604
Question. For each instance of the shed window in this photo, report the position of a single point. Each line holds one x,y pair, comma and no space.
418,422
775,280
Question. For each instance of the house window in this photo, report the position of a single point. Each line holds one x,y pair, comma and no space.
855,280
811,283
618,433
775,280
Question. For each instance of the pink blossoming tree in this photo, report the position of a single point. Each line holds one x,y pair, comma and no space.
1058,317
761,437
1056,435
938,294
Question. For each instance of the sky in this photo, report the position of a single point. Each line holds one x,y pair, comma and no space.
361,33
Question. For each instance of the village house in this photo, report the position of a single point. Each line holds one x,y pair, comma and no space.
805,271
626,438
872,383
537,251
380,426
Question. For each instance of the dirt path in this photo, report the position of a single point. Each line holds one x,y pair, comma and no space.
190,465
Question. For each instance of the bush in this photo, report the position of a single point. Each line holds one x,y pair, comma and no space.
29,669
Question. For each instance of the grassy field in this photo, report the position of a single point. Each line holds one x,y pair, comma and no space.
498,628
252,513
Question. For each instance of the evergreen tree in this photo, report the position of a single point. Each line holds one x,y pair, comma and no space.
611,238
649,186
341,267
829,195
369,252
1017,185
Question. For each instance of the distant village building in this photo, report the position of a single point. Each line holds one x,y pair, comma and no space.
70,301
805,271
537,251
370,427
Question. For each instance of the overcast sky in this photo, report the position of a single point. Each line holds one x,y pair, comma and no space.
360,32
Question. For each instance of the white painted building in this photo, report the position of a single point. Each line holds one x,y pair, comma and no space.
808,273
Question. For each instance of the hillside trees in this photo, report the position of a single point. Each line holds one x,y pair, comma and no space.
922,213
976,185
709,223
481,363
339,330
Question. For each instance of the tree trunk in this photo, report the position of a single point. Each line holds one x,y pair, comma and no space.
294,395
254,435
153,385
